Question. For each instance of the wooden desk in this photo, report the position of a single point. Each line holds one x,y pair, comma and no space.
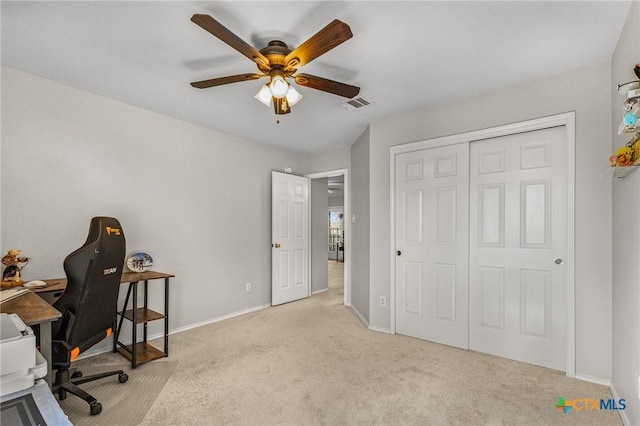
142,351
33,310
52,292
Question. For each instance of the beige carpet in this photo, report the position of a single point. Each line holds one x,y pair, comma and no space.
313,362
122,403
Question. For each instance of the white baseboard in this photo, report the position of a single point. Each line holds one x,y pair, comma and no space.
359,315
211,321
100,349
623,414
380,329
366,323
592,379
320,291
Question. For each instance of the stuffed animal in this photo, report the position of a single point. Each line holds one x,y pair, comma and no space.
622,157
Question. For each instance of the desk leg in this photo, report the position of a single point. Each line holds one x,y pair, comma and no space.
134,325
45,348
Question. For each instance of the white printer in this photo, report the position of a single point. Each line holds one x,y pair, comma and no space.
20,362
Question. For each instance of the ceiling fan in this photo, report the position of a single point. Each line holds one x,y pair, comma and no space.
279,63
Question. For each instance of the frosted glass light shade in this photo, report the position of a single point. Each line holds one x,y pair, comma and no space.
279,86
264,95
293,96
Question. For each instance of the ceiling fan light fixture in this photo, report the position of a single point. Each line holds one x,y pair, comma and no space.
293,96
278,84
278,62
264,95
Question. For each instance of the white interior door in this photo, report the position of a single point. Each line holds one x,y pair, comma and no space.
432,244
290,234
518,240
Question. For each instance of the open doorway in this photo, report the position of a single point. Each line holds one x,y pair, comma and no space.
335,235
330,259
335,232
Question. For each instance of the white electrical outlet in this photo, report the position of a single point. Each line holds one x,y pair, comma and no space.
383,301
247,287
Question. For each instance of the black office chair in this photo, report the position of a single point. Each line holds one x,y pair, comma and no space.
88,306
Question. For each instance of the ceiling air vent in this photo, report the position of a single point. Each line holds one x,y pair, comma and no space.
356,103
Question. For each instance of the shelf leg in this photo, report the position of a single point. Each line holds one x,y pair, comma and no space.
144,326
134,325
124,308
166,317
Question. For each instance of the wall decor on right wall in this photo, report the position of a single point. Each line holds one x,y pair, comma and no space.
631,105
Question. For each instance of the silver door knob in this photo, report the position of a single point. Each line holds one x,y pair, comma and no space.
558,261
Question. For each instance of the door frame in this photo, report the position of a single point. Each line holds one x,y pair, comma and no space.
568,121
347,226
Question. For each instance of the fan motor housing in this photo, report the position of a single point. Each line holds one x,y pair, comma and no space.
276,51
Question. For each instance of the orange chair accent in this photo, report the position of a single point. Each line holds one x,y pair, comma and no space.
74,353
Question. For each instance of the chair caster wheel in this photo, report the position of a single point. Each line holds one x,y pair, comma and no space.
96,408
122,378
76,374
62,394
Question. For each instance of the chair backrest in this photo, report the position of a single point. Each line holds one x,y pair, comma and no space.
93,274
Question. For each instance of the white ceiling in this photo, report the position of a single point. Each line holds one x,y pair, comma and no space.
404,55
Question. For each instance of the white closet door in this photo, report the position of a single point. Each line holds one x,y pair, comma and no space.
432,244
518,240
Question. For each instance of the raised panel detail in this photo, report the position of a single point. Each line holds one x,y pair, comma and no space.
413,288
446,291
298,220
535,302
535,156
298,190
535,226
491,215
491,162
414,171
491,297
446,215
298,258
283,261
444,166
283,188
283,221
413,216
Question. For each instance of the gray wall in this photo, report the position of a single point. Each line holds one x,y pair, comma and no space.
197,200
585,91
336,202
626,236
319,230
327,161
360,267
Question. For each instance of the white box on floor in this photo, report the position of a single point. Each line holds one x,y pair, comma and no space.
20,362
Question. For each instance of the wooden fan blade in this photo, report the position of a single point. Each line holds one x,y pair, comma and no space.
334,34
225,80
326,85
217,29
